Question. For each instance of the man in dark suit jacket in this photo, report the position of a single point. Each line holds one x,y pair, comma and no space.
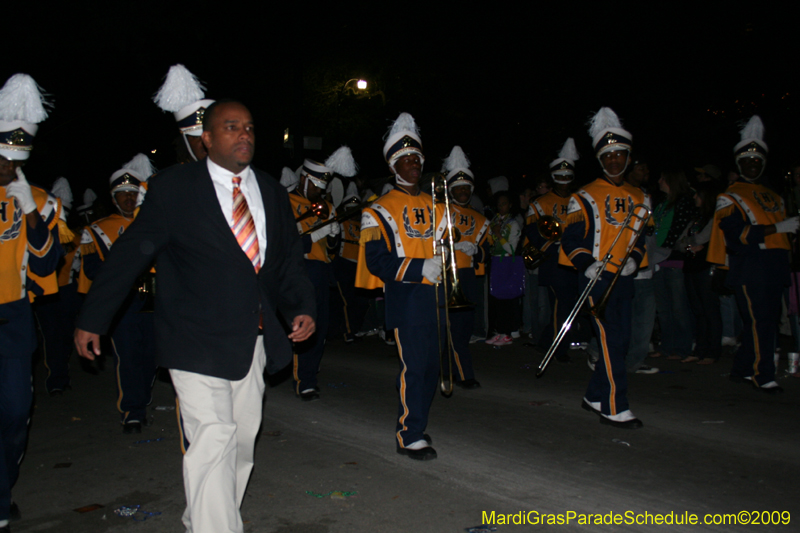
216,304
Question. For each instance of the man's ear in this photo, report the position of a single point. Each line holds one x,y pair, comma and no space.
206,137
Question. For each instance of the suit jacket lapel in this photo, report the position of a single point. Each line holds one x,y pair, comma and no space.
210,217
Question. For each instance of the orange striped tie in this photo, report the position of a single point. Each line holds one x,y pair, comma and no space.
243,227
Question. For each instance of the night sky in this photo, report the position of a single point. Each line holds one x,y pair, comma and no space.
508,85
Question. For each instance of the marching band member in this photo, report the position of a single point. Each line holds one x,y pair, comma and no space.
751,223
594,217
318,247
29,253
561,282
132,336
470,253
183,95
397,238
355,305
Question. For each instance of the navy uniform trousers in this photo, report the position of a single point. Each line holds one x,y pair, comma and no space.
609,382
759,303
418,350
134,349
308,354
461,324
562,288
16,392
57,314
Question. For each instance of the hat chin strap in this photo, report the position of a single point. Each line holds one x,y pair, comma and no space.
763,166
189,147
627,162
401,181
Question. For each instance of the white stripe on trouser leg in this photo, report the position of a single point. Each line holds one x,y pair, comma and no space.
221,419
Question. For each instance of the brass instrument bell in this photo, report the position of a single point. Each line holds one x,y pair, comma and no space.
550,229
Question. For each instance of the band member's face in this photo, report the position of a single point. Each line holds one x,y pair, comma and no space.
640,175
230,140
196,144
461,193
8,170
751,167
126,200
409,168
314,193
614,163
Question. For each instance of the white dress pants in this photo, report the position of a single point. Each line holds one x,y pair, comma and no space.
221,420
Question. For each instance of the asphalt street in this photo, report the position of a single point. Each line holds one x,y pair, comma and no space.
519,447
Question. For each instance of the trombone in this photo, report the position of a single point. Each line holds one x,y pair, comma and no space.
349,213
456,298
550,229
598,311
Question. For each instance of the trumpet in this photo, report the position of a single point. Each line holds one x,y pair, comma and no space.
550,229
456,298
598,311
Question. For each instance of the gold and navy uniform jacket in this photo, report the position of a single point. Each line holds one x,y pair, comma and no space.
473,227
397,235
351,235
553,205
313,251
96,243
594,217
28,259
70,270
742,214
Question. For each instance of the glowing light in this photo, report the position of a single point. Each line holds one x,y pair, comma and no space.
361,84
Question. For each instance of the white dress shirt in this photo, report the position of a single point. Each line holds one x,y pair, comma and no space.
223,184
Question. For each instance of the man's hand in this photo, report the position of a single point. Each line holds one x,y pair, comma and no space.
82,340
303,327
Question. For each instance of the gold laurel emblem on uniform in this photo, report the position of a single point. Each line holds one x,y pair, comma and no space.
609,217
774,208
411,232
16,224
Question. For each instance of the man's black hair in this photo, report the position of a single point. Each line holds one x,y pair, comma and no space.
208,116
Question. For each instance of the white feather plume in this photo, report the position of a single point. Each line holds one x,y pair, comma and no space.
341,161
180,89
569,151
404,122
22,99
753,129
62,190
352,190
605,118
141,165
456,159
289,178
89,196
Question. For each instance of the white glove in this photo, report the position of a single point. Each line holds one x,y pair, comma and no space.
594,270
630,267
432,269
336,229
469,248
321,233
789,225
21,190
